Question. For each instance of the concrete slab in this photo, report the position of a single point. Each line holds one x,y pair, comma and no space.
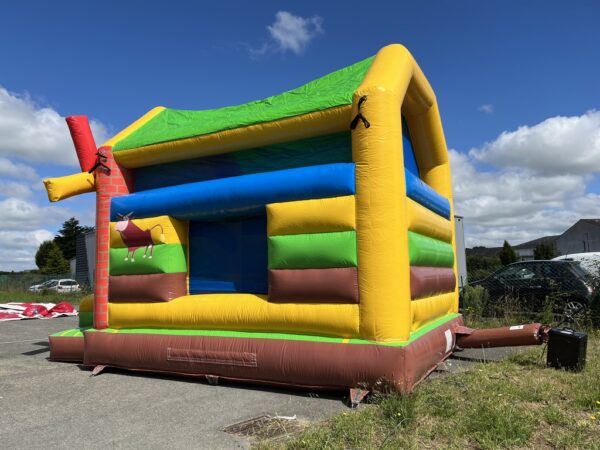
47,405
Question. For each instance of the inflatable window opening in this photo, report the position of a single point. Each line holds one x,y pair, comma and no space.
304,240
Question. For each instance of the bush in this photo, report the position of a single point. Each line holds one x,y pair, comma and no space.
479,267
475,302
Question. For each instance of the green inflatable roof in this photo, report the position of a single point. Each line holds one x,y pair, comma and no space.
335,89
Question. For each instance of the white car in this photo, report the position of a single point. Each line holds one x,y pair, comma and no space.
62,285
590,262
41,286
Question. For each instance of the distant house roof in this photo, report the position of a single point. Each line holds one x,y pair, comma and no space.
590,221
536,242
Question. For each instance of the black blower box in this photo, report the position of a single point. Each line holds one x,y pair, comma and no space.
566,349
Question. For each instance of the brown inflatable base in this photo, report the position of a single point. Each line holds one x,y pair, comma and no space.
299,364
66,348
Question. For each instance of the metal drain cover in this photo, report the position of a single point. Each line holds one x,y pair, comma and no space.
265,427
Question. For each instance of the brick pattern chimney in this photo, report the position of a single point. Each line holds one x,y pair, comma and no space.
118,182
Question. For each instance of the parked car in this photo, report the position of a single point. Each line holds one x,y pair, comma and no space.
61,285
41,286
531,282
589,261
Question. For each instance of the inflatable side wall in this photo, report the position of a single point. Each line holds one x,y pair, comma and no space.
304,240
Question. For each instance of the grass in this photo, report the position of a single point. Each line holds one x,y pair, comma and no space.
515,403
41,297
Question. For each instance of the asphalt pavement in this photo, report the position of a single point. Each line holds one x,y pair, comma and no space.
49,405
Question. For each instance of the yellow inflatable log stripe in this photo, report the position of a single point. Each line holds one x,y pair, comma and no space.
164,229
134,126
317,123
423,221
87,304
70,185
427,309
238,312
323,215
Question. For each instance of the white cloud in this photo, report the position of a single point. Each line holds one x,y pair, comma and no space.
23,227
19,248
11,169
37,134
487,108
522,195
19,214
31,135
294,32
557,145
289,33
14,189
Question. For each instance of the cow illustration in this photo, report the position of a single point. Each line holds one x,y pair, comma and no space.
134,237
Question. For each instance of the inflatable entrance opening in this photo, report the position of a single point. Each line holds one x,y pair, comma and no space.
304,240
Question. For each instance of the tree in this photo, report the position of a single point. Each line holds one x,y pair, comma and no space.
67,237
479,267
56,264
41,256
546,250
507,254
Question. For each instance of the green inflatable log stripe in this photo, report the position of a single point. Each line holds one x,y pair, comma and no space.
313,251
426,251
330,91
166,258
86,319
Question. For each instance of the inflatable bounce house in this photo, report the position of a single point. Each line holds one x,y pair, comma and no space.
302,240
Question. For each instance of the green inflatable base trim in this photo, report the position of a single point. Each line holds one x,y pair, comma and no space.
426,251
86,319
313,251
330,91
256,335
72,332
166,258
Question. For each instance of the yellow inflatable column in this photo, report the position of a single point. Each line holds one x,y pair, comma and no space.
383,265
394,86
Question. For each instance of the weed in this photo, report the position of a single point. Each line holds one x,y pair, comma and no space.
475,301
553,415
398,409
495,424
515,403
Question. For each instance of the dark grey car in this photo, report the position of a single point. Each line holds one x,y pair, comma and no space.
532,282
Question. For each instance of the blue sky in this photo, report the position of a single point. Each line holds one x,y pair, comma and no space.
495,67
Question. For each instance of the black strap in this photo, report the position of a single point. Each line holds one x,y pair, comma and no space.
100,160
360,116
